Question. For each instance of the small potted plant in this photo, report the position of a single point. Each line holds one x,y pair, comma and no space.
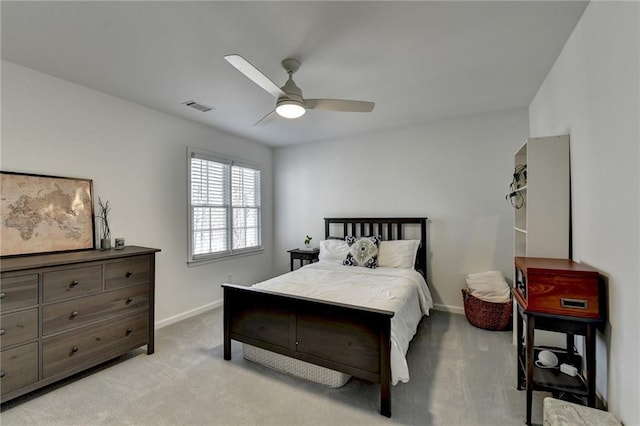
104,230
307,242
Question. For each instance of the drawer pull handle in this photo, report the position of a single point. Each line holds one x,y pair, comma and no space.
129,331
74,350
128,274
574,303
2,295
129,300
74,283
2,331
2,373
73,314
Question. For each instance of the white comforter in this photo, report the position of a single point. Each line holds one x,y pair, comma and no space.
402,291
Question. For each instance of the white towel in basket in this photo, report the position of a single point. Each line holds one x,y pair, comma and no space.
489,286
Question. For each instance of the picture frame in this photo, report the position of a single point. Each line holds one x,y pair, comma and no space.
45,214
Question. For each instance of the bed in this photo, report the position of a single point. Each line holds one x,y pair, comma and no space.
354,320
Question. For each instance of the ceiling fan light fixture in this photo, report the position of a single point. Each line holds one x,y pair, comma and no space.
289,108
290,102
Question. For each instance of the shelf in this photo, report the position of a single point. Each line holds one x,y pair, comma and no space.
541,228
553,380
542,223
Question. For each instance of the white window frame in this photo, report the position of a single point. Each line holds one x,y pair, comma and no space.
194,259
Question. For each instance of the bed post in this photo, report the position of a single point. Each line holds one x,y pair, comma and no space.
227,325
385,369
423,249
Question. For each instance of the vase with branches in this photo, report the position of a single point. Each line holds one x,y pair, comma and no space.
105,231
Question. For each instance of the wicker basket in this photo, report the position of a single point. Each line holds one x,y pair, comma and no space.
487,315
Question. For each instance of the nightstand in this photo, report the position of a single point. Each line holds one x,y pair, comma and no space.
562,296
310,255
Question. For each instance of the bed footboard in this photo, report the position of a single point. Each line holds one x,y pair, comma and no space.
350,339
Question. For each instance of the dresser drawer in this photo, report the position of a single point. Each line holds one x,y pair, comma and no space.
130,272
19,367
72,282
73,313
18,292
18,327
94,344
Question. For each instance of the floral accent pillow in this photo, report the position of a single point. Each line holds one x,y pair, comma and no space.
363,251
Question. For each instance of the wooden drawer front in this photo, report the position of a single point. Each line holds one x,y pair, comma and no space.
127,273
18,327
94,344
73,313
19,367
58,285
576,296
18,292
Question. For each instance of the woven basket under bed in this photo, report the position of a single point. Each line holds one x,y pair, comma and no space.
487,315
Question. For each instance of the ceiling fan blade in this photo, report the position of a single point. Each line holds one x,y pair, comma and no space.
339,105
266,119
254,74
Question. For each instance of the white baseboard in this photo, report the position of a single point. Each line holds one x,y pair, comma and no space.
188,314
447,308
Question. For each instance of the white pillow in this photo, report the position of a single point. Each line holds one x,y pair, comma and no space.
398,253
333,251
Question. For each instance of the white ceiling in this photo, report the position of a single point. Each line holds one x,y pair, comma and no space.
418,61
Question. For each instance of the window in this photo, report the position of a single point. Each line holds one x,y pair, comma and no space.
224,207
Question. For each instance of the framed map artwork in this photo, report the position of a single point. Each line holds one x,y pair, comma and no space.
43,214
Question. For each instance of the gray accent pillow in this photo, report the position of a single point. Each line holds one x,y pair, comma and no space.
363,251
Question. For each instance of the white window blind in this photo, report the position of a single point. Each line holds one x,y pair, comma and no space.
225,208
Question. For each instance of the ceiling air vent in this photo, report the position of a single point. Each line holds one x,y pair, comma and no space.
198,106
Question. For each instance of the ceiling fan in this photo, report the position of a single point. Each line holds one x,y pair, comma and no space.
290,103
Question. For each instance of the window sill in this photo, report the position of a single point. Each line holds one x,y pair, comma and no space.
220,258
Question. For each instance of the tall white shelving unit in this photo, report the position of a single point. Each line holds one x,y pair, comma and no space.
542,224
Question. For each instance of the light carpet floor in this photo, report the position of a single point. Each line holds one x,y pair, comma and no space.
460,375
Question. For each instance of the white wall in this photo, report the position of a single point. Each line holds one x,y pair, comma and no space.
593,93
454,172
137,158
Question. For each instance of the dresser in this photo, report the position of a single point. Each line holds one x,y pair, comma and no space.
62,313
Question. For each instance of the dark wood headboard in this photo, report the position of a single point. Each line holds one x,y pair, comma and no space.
390,228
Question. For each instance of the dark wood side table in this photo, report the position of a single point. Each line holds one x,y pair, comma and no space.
310,255
552,380
562,296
